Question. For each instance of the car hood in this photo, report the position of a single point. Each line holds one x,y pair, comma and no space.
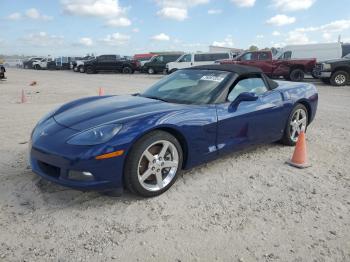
335,60
96,111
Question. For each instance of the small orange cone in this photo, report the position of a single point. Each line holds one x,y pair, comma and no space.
299,158
33,83
23,97
101,91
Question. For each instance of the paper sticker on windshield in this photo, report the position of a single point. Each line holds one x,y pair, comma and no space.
212,78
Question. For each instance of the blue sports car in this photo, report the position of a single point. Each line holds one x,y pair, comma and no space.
143,141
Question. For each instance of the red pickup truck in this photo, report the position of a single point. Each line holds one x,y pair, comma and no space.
290,69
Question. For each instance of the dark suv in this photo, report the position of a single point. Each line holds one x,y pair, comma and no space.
335,72
157,64
112,63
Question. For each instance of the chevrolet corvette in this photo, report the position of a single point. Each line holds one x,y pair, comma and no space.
143,141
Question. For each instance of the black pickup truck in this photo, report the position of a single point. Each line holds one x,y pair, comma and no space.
2,71
112,63
335,72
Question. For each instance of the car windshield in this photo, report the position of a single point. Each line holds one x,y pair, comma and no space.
189,86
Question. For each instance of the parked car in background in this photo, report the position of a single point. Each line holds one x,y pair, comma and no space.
195,59
112,63
143,58
320,52
78,64
158,63
28,64
2,71
17,63
335,72
42,63
290,69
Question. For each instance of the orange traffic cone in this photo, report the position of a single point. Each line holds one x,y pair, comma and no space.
101,91
23,97
33,83
299,158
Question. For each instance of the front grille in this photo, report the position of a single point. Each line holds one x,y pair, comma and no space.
49,170
318,67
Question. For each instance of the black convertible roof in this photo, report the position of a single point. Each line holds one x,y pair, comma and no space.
238,69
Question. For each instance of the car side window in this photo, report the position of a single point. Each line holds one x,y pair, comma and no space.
159,59
254,85
247,57
263,56
186,58
287,55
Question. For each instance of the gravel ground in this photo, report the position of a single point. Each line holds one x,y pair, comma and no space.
247,206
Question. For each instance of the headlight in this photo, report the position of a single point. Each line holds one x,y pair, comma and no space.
95,136
326,66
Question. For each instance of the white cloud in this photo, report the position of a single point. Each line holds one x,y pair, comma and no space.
227,42
31,13
175,13
43,39
161,37
108,9
177,10
276,33
260,36
135,30
119,22
116,39
14,16
103,8
86,41
295,37
281,20
292,5
244,3
214,11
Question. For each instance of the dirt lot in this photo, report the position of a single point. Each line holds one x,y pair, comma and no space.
248,206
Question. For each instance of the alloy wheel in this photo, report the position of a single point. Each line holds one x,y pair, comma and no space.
297,124
158,165
340,79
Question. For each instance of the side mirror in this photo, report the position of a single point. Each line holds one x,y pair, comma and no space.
242,97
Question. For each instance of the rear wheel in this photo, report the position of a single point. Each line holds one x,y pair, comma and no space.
296,75
127,70
90,70
339,78
153,164
37,67
150,71
81,69
297,121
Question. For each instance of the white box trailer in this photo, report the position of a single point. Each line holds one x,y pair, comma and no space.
321,52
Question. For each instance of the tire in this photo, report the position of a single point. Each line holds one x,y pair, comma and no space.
339,78
127,70
297,75
37,67
326,81
151,71
90,70
289,129
81,69
75,69
137,163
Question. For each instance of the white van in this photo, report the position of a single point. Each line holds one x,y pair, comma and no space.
195,59
321,52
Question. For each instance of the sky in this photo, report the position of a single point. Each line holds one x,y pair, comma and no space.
126,27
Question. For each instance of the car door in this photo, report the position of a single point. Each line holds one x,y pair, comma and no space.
250,122
106,63
159,64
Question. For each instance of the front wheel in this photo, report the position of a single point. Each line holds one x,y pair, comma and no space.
153,164
37,67
90,70
339,78
296,75
81,69
150,71
297,121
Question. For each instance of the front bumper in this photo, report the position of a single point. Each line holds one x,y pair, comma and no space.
51,158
